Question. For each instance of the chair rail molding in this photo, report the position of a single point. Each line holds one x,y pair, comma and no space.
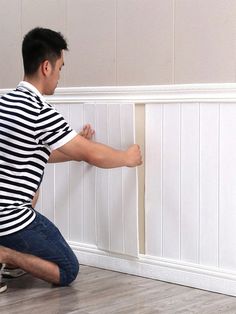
145,93
150,94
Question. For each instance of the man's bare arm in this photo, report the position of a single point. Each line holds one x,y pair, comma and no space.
58,156
100,155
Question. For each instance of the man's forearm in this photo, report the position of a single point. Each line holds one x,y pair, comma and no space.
103,156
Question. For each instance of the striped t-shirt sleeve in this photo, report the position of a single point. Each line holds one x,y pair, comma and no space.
52,129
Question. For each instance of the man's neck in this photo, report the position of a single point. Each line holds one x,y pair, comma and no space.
35,82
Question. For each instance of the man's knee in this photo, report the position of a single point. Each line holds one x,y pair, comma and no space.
69,275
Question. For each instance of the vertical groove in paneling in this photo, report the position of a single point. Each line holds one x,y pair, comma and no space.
115,184
108,184
161,187
153,179
209,189
102,198
122,212
95,187
218,185
109,212
227,187
129,195
171,133
76,182
190,182
82,194
122,180
180,184
89,185
199,182
95,181
83,215
170,181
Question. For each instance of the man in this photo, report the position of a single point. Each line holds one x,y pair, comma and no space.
33,133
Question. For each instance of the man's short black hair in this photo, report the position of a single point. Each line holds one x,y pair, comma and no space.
41,44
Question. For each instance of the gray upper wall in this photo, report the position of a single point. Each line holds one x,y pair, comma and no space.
127,42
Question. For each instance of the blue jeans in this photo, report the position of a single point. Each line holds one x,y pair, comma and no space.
43,239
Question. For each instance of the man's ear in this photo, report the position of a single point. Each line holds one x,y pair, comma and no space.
46,68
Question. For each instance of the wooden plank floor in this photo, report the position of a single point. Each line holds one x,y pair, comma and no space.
98,291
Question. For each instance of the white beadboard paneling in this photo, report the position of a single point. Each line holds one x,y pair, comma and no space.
89,208
115,184
116,190
129,195
190,182
227,193
102,210
116,211
76,202
127,127
153,179
130,218
61,188
89,203
102,204
208,171
76,191
209,182
171,181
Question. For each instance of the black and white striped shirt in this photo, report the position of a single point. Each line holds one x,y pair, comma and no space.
30,129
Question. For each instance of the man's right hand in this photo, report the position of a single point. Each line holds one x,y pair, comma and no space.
134,156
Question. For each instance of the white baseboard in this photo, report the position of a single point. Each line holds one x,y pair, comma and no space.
192,275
